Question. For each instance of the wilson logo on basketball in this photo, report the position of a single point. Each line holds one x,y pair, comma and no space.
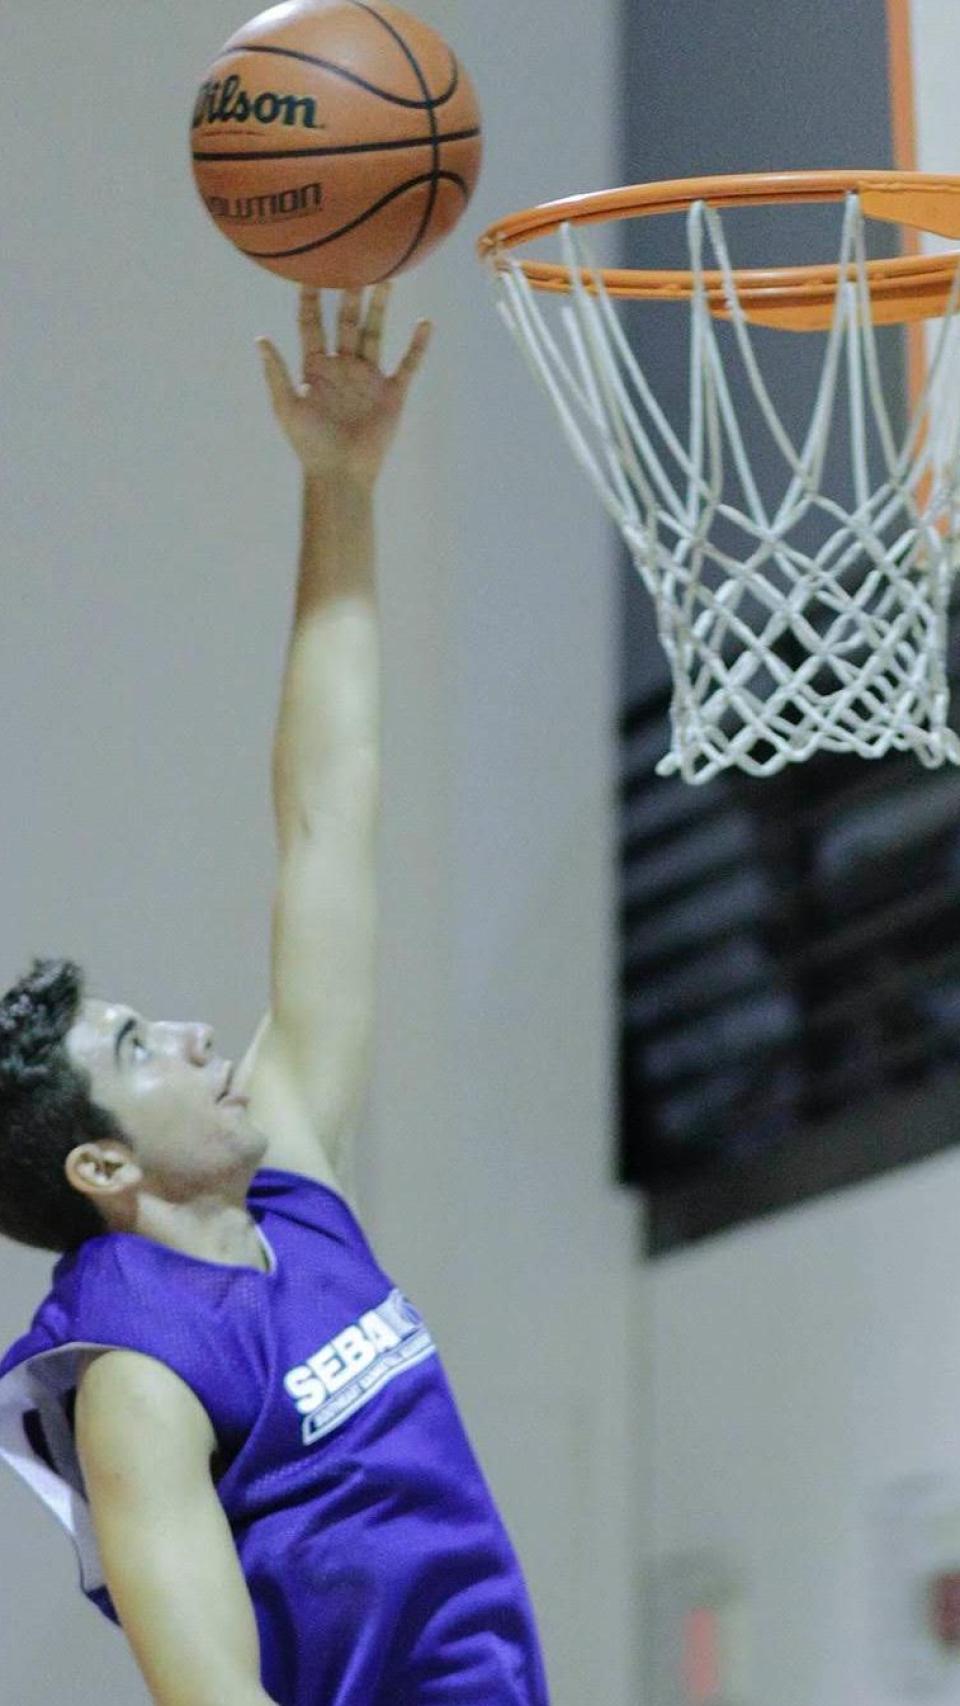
219,103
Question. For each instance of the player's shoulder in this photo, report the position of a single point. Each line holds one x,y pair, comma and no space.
307,1206
285,1188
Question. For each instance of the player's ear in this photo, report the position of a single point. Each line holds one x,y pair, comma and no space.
102,1169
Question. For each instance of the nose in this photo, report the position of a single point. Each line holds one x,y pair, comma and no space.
201,1042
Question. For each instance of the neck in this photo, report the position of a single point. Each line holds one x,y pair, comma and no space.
213,1230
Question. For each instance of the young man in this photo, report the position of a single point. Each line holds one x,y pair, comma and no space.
238,1417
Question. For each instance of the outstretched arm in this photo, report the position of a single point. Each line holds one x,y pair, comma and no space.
307,1073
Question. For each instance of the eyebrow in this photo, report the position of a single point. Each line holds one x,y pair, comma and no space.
127,1026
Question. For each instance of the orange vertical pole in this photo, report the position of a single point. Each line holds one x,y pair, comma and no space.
904,124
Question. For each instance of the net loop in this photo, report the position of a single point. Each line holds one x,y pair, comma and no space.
778,647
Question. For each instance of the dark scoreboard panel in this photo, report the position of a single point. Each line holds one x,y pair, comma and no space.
790,976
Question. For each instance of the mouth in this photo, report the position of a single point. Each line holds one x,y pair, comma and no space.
225,1100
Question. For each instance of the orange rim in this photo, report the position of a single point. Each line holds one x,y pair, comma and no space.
910,287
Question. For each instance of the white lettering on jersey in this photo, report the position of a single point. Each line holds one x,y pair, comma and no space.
351,1368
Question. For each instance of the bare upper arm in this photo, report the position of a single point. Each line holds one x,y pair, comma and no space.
145,1443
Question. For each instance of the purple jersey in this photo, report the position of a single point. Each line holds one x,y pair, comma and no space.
380,1570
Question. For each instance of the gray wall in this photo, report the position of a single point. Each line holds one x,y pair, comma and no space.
150,526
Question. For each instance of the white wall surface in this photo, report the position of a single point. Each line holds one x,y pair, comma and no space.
935,44
805,1367
150,524
935,38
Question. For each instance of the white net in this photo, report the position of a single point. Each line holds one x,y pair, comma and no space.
814,621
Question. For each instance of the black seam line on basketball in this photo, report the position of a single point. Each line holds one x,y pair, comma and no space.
349,76
405,47
321,242
347,148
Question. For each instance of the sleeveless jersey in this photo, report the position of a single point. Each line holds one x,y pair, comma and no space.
379,1568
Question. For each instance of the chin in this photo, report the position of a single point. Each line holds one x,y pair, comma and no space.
257,1143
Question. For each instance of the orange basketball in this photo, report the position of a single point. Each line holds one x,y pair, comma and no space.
336,142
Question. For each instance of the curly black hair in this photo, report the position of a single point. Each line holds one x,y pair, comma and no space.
46,1109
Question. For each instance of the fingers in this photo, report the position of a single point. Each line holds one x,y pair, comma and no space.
355,336
415,354
312,338
371,338
281,385
348,322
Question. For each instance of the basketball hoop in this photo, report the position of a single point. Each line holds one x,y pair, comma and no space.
778,649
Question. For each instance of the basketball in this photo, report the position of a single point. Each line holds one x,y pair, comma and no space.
336,142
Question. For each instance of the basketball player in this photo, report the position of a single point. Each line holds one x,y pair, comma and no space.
241,1421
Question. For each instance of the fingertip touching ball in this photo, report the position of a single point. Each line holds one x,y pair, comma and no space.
336,142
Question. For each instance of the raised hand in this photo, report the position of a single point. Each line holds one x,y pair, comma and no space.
343,416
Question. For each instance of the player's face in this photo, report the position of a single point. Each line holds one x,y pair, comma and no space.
163,1081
